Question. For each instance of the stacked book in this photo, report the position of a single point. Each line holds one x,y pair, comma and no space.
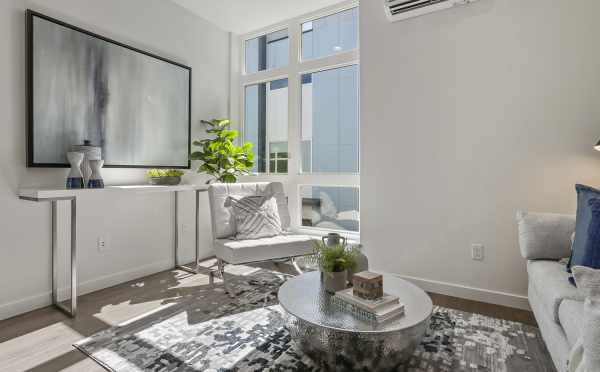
380,310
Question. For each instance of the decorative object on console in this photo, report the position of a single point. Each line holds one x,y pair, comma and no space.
75,178
90,152
134,104
164,177
334,262
597,147
96,181
367,285
586,247
220,157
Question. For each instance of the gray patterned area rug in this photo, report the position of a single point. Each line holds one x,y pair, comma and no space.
215,332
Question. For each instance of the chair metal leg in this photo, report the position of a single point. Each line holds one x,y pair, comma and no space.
221,268
219,272
296,267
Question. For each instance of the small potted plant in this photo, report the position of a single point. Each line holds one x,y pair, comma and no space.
164,177
334,262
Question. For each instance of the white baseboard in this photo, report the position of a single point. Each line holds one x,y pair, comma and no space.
470,293
37,301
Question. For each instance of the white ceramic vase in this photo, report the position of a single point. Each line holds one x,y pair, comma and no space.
334,281
75,178
90,152
96,181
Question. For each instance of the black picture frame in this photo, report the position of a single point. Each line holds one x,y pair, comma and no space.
29,15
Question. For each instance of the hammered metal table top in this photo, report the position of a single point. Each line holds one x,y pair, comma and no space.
303,297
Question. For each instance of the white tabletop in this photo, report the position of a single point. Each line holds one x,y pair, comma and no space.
42,193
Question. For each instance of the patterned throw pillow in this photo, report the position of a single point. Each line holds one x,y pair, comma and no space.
256,216
586,247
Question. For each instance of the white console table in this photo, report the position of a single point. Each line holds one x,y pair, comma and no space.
53,195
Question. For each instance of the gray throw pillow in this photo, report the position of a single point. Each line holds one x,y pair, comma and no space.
255,216
588,283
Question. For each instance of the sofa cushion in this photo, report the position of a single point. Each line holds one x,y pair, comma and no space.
282,246
570,314
588,282
545,236
552,332
550,280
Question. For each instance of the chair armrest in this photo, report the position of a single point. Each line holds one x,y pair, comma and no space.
545,235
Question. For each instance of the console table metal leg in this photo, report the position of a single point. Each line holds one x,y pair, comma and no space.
176,228
54,253
197,220
176,243
72,309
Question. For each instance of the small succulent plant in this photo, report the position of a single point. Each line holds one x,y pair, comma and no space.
157,173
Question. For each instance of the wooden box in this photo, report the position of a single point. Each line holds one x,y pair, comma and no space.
367,285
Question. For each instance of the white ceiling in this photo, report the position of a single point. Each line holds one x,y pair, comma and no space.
243,16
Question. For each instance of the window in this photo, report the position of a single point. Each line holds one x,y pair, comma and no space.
267,52
301,113
266,124
330,207
330,35
330,121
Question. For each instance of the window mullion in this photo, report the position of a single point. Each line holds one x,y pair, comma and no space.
294,113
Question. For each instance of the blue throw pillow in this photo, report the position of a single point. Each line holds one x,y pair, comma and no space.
586,247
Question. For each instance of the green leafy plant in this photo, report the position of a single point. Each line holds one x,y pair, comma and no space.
157,173
220,157
335,258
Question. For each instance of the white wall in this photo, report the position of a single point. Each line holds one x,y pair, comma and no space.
467,116
140,226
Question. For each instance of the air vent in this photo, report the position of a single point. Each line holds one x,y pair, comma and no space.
402,9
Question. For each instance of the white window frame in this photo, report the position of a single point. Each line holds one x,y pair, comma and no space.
293,72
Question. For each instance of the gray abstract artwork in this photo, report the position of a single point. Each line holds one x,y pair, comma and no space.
135,106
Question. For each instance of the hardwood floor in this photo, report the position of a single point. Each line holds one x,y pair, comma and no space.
41,340
494,311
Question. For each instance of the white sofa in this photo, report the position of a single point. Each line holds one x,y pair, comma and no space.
545,239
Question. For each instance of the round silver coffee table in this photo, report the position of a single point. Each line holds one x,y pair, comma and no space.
337,340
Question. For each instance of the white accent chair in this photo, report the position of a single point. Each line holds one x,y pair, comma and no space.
229,250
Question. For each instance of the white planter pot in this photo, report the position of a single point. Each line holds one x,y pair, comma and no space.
334,281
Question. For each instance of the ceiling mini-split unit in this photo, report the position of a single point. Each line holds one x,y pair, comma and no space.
398,10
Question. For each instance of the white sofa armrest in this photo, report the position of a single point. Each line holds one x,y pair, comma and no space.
545,235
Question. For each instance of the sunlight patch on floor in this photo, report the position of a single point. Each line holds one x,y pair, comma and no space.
125,311
34,348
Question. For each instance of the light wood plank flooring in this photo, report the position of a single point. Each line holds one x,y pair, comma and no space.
41,341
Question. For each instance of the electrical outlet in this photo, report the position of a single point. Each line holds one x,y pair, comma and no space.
477,252
102,244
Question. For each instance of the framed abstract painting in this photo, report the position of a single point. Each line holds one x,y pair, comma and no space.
134,105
